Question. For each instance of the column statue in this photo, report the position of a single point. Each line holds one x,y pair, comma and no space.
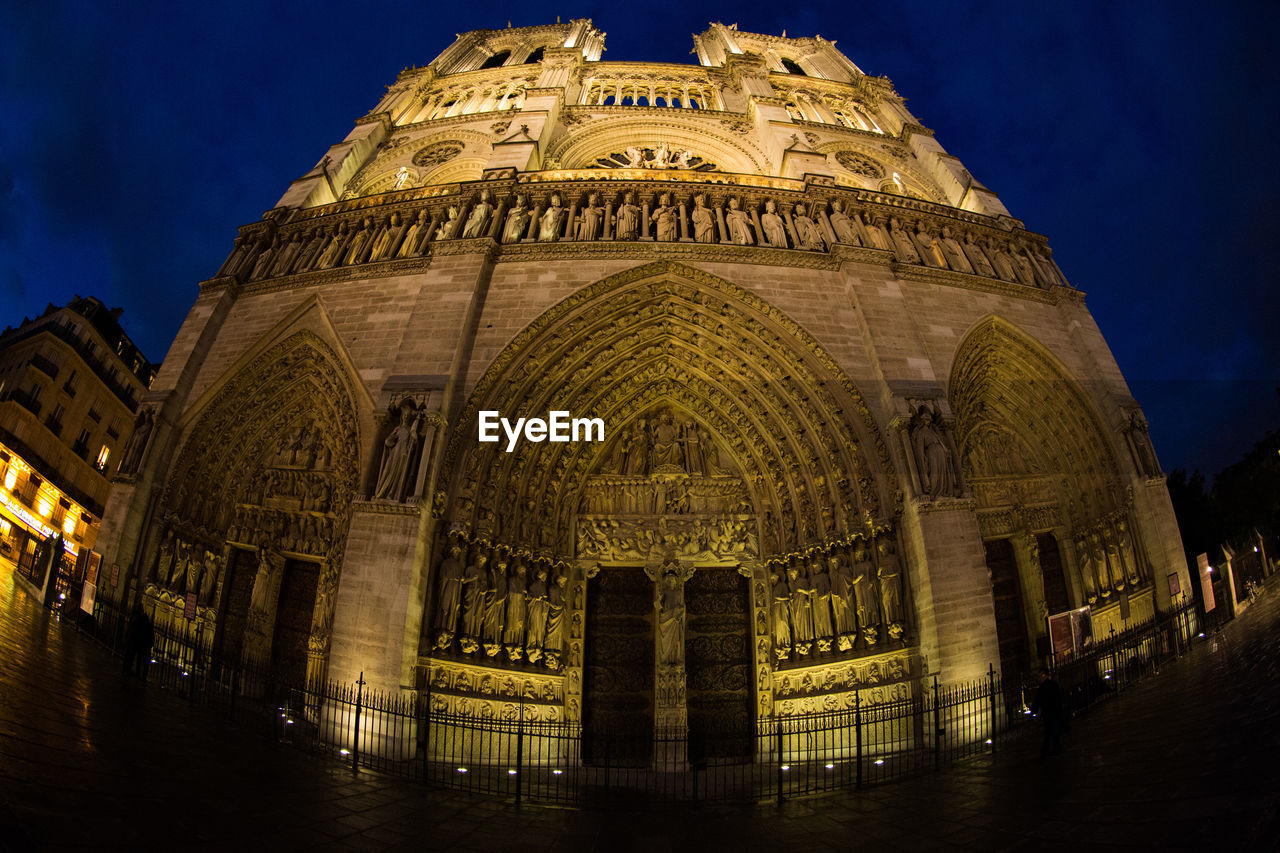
495,603
890,577
627,219
592,219
823,628
552,222
553,645
801,611
478,222
781,613
669,602
842,225
738,223
513,630
475,586
775,231
704,222
517,220
539,608
449,600
846,624
397,454
864,594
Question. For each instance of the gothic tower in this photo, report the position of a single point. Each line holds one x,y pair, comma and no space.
855,426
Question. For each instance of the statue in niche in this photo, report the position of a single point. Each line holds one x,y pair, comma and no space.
1111,556
1000,260
190,564
415,238
263,262
823,629
495,603
288,253
890,577
666,444
266,584
953,252
1144,455
801,611
332,253
358,248
386,238
669,602
475,586
539,609
517,220
513,631
1086,569
738,223
902,245
1129,554
627,219
210,579
864,594
1097,560
553,645
397,454
552,222
402,176
846,626
933,457
481,214
665,219
842,224
808,235
591,219
781,613
143,423
704,221
449,604
314,242
453,221
930,251
977,259
1022,267
164,565
775,230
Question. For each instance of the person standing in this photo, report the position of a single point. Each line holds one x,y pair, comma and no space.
139,638
1052,711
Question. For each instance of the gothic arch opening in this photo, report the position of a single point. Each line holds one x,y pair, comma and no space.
1052,510
254,515
739,459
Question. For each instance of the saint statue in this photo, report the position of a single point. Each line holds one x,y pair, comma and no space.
820,586
397,454
738,223
808,235
801,611
890,576
475,586
539,609
386,238
669,601
933,456
781,613
592,219
449,603
137,446
513,629
552,222
775,231
843,225
666,444
846,626
358,248
902,245
517,220
627,218
478,222
553,645
495,603
704,221
664,217
415,238
864,593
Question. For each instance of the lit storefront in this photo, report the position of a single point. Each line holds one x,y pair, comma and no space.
32,510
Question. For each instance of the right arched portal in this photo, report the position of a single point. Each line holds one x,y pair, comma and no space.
1052,507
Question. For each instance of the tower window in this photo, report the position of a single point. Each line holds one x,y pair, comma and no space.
497,59
536,56
793,67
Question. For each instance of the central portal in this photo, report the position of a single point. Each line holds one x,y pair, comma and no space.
718,664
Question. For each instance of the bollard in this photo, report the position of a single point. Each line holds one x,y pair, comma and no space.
777,722
995,709
355,731
857,728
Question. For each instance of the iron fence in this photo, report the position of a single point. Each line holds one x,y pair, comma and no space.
779,757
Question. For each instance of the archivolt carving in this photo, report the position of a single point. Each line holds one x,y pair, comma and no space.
272,463
759,386
581,149
1018,417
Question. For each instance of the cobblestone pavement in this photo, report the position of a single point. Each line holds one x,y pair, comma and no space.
90,760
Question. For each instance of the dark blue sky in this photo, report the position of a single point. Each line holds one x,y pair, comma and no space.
1139,137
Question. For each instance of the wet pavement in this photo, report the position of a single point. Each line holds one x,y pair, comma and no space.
88,759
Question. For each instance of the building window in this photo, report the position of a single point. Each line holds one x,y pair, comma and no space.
793,67
70,385
95,415
497,59
103,455
536,56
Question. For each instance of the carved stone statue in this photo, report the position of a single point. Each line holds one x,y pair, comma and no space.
212,564
1098,560
552,221
332,254
539,609
386,238
1129,554
495,604
669,601
664,217
628,219
1144,455
397,454
164,565
637,461
266,585
1088,572
846,625
823,627
666,444
890,576
513,630
478,222
449,603
517,220
738,223
591,219
137,446
415,238
864,594
781,616
933,457
952,251
902,245
360,243
553,645
1111,555
801,611
775,230
808,235
704,221
930,249
843,225
977,258
475,587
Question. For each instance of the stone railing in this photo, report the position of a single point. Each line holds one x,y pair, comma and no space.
617,84
636,206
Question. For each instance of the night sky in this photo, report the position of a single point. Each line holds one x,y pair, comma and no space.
136,137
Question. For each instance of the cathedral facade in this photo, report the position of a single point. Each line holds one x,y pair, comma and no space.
857,427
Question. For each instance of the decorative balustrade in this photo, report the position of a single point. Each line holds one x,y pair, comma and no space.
647,85
643,206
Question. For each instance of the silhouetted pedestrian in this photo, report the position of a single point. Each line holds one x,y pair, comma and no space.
137,643
1052,711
